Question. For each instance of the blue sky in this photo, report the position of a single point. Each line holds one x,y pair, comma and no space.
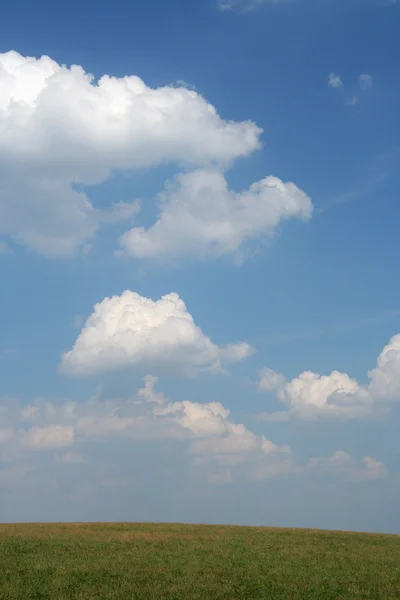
199,252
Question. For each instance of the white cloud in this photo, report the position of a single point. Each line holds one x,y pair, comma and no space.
334,81
245,5
131,330
203,420
385,378
200,217
270,380
341,463
210,435
366,81
60,127
238,441
215,440
352,101
104,425
337,395
240,446
45,438
218,449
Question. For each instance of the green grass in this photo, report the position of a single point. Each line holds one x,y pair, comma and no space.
143,561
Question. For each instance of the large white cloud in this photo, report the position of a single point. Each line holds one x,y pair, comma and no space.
131,330
59,127
201,217
337,395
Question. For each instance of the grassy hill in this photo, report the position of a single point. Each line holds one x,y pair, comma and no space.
147,561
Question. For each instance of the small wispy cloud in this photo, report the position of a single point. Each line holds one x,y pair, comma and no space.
366,81
250,5
224,6
335,81
382,168
245,5
352,101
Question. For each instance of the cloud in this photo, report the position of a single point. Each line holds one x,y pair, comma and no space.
385,378
132,331
45,438
337,395
200,217
210,436
352,101
241,453
217,449
59,127
245,5
334,81
341,463
366,81
215,441
203,420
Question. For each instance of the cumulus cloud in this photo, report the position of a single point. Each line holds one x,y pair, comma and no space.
131,330
385,378
203,420
334,81
59,127
200,217
337,395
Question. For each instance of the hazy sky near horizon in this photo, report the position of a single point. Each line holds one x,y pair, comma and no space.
199,247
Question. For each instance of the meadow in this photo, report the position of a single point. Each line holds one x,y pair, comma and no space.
163,561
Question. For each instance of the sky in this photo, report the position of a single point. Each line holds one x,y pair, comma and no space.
199,307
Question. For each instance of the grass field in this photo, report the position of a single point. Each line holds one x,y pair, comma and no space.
143,561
